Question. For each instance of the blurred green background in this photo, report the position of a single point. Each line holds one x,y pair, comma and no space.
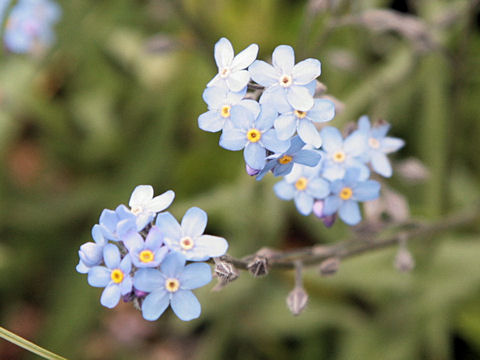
115,104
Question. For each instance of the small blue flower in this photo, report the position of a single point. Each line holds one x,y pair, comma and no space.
144,206
254,135
114,277
304,186
148,253
282,164
117,223
343,154
303,122
231,70
188,238
91,253
172,285
346,193
379,145
285,82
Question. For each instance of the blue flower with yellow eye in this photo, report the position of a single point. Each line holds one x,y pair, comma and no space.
172,285
114,276
145,253
346,193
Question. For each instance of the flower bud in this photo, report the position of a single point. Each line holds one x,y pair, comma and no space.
404,261
258,266
297,300
328,220
329,266
251,171
225,271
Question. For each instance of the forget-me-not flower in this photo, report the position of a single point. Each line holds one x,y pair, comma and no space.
286,82
116,223
187,238
91,253
172,285
146,253
254,135
346,193
114,276
231,70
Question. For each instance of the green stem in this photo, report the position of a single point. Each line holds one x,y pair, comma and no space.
27,345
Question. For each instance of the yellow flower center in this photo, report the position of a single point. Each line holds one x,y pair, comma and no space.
339,156
225,112
346,193
172,285
117,276
300,114
146,256
286,80
301,183
254,135
285,159
374,143
186,243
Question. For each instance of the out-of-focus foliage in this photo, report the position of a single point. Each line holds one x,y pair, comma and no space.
115,104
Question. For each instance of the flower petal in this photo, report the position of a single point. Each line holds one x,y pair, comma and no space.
254,155
195,275
366,190
211,121
276,97
332,139
283,57
238,80
266,118
185,305
132,240
154,238
306,71
318,188
284,190
323,110
391,144
91,254
331,205
110,296
252,106
141,195
285,126
160,202
245,57
111,256
194,222
307,157
233,139
349,212
263,73
215,97
155,304
303,202
272,143
169,226
356,143
223,53
380,163
309,133
299,97
148,280
99,276
173,264
207,246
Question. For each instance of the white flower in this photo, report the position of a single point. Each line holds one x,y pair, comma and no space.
145,206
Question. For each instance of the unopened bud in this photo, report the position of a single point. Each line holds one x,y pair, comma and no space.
328,220
297,300
404,261
251,171
225,271
329,266
258,266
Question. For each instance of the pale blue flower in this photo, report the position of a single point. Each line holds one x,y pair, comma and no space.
346,193
304,186
172,285
146,253
114,277
231,70
187,238
254,135
117,223
91,253
286,82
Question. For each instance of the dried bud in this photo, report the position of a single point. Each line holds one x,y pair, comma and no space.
404,261
225,271
297,300
258,266
330,266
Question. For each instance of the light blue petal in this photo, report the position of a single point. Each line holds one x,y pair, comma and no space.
109,219
303,202
241,117
331,205
380,163
266,118
245,57
366,190
223,53
238,80
336,186
352,175
132,240
333,171
263,73
98,234
299,97
283,58
283,169
318,188
306,71
82,268
272,143
91,254
233,139
214,97
111,256
207,246
285,126
126,264
296,144
309,133
99,276
173,264
195,275
307,157
379,132
110,296
311,87
185,305
126,285
154,238
155,304
323,110
276,97
391,144
211,121
217,82
169,226
356,144
284,190
254,155
194,222
332,139
364,124
148,280
251,105
268,166
364,170
349,212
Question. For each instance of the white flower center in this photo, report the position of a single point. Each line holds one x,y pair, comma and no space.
224,72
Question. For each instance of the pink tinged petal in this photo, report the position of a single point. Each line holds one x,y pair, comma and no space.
306,71
263,73
238,80
132,240
195,275
169,226
223,53
303,202
160,202
349,212
391,144
251,105
245,58
309,133
99,276
356,144
185,305
141,195
323,110
380,164
284,190
285,126
194,222
233,139
254,155
207,246
148,280
332,139
110,296
299,97
155,304
211,121
173,264
111,256
283,57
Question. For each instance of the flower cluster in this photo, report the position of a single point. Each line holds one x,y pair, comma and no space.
140,254
29,25
324,172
